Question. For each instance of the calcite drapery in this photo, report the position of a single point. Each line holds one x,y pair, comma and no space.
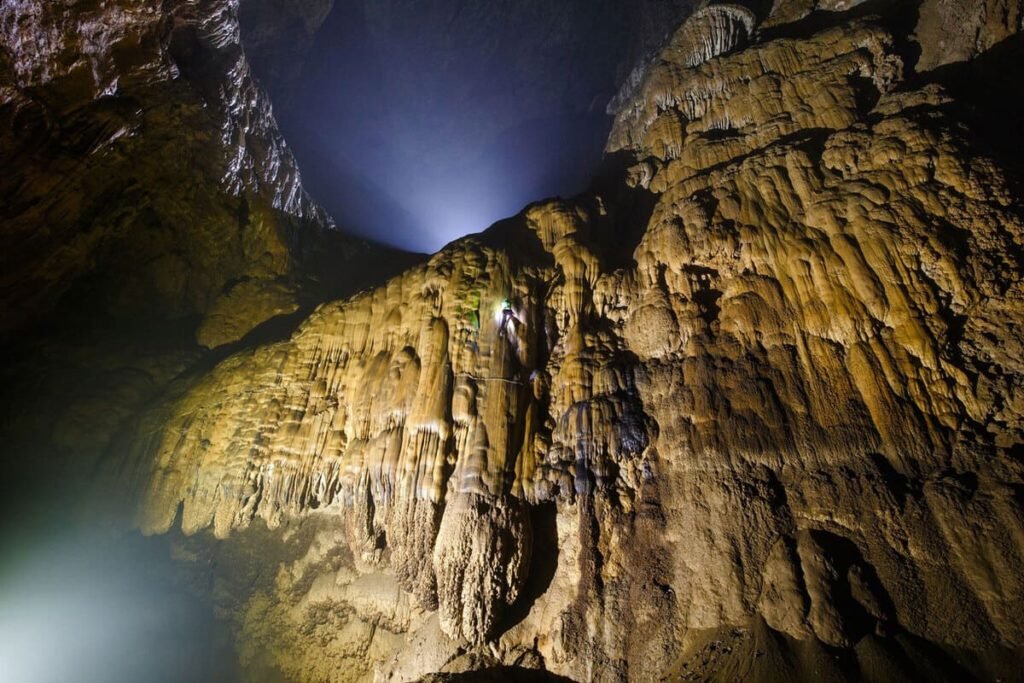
798,406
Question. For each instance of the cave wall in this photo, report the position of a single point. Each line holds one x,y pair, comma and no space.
752,410
150,211
146,150
752,407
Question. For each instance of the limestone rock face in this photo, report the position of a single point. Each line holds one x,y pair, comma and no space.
713,31
751,409
956,31
148,154
149,207
787,11
791,417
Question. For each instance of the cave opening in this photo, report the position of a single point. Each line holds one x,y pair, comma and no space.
416,124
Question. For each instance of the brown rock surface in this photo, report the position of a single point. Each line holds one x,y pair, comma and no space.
950,31
794,417
752,410
147,202
141,143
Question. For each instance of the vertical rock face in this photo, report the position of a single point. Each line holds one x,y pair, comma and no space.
149,210
149,156
752,409
422,393
791,419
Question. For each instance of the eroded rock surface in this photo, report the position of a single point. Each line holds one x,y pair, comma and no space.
956,31
143,124
752,409
795,411
149,210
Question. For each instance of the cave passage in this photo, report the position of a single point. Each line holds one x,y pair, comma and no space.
416,125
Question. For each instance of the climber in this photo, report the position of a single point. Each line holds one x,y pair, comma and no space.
503,314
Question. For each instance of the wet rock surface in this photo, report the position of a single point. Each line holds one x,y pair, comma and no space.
150,210
751,409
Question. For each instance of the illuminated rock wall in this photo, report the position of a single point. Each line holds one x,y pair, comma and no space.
797,410
150,211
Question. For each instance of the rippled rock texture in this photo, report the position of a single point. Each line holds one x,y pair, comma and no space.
753,409
763,400
149,211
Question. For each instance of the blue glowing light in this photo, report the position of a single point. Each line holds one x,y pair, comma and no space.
418,124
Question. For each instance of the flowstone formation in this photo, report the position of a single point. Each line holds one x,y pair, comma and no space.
151,218
753,411
750,409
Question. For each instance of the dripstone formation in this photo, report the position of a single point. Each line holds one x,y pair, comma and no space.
751,409
150,212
